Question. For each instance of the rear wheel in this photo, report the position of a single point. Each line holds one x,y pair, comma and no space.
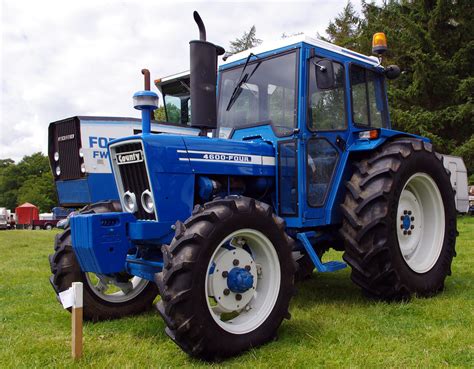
399,221
227,279
105,296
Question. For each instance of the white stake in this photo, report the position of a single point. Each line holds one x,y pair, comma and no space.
76,343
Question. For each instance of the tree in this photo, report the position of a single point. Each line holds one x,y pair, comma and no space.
432,42
39,191
160,114
344,30
174,114
247,41
28,181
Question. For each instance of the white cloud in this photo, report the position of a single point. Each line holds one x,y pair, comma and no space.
66,58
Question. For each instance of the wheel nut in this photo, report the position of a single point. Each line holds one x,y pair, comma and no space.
238,297
247,268
409,212
409,232
402,217
401,226
412,219
405,212
235,262
412,226
226,292
405,232
225,273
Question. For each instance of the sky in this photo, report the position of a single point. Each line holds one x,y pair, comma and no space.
64,58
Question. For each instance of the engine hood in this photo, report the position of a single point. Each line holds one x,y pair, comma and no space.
203,155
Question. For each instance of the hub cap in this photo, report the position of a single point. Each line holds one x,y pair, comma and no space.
421,223
243,281
109,289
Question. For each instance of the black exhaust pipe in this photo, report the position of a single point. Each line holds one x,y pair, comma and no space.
203,79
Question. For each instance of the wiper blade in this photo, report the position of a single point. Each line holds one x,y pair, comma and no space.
236,93
242,79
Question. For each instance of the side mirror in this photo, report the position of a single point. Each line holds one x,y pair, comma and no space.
392,71
324,74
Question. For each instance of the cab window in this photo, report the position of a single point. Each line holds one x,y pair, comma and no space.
267,95
368,98
326,106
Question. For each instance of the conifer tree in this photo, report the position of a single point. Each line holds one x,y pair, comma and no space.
248,40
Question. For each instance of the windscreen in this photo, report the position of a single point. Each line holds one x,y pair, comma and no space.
176,97
262,92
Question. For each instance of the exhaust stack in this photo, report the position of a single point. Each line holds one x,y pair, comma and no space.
203,79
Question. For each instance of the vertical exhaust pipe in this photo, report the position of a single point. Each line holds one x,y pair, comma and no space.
203,79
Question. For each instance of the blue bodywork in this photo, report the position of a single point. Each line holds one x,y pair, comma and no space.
183,171
91,189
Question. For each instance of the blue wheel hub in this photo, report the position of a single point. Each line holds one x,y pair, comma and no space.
406,222
239,280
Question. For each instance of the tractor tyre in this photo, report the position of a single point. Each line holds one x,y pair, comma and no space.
136,297
399,221
228,278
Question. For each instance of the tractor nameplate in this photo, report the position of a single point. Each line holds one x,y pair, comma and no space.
129,157
225,157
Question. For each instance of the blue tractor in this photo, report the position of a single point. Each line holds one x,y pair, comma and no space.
305,160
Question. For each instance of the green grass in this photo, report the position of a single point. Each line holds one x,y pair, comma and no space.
332,325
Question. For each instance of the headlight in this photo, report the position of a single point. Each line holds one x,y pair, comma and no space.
147,202
83,168
58,171
56,156
130,202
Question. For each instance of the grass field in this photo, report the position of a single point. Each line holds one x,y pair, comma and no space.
332,325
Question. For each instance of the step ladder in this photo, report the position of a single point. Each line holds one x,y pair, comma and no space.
330,266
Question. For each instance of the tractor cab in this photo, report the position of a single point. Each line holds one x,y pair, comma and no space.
315,102
175,90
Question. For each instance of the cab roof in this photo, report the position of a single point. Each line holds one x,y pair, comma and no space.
293,40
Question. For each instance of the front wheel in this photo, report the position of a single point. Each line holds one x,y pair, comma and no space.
105,296
399,221
227,279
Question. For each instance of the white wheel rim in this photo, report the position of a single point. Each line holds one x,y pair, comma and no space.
252,248
110,290
420,223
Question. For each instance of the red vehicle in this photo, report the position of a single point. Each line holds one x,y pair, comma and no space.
43,224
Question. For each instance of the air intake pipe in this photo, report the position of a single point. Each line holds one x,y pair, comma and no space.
203,69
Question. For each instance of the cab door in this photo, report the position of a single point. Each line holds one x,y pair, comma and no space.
326,131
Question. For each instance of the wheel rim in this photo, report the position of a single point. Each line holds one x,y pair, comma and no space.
244,311
420,223
109,289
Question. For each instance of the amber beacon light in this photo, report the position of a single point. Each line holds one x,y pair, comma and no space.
379,43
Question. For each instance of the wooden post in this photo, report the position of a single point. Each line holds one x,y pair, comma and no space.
76,342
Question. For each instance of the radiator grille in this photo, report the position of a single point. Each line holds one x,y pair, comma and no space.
66,141
133,175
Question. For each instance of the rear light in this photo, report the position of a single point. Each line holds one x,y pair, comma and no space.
369,135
